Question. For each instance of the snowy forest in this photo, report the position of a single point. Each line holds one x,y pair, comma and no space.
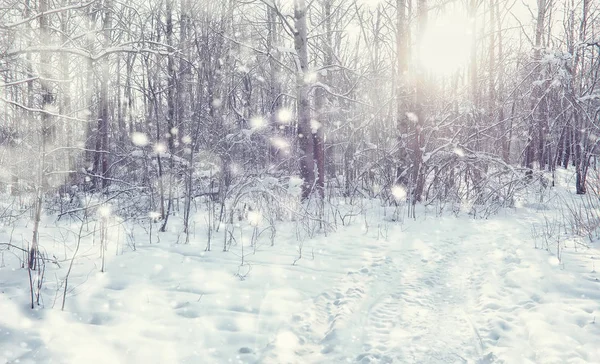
299,181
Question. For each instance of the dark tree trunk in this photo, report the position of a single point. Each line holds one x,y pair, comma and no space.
102,138
306,140
402,172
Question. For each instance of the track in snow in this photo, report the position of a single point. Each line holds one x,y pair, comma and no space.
406,305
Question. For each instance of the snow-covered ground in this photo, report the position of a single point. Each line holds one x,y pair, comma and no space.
431,290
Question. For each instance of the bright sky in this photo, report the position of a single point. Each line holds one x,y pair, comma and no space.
446,44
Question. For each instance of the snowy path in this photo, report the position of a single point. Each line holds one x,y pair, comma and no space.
437,290
438,295
408,303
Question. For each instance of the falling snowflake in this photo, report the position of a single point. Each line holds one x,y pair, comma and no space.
315,126
459,152
257,122
154,215
295,186
104,211
160,148
399,193
284,116
139,139
412,117
254,217
310,77
279,143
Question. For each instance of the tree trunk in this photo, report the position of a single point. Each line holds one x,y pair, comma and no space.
171,79
580,133
417,143
402,172
102,138
307,162
322,103
568,147
46,132
504,139
536,139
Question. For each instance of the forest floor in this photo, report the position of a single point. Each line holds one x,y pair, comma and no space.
431,290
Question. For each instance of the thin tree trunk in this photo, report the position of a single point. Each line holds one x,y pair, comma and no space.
568,148
306,141
504,140
402,172
418,179
535,142
101,153
46,132
171,80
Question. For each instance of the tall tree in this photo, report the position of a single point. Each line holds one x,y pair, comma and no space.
402,172
418,172
102,138
306,140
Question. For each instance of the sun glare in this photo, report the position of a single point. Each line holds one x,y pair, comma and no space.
446,45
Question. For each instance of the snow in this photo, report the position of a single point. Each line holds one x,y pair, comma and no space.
258,122
295,186
459,152
217,103
139,139
186,139
315,126
429,290
311,77
160,148
280,143
412,117
254,218
399,193
284,116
